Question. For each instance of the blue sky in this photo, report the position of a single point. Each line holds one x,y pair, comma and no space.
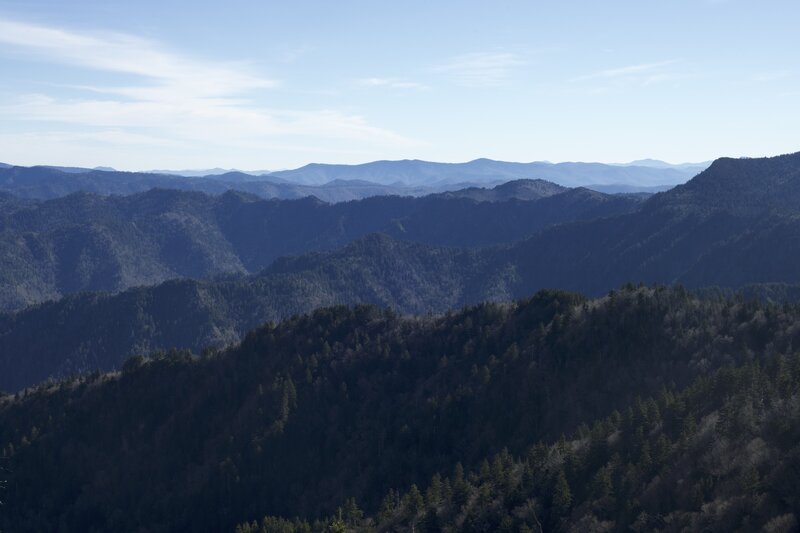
276,84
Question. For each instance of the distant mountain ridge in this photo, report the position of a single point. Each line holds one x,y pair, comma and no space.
345,182
416,172
200,173
657,163
52,182
48,183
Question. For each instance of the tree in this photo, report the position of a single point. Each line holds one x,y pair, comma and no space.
562,496
414,503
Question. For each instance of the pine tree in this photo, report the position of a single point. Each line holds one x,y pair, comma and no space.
434,493
562,496
413,503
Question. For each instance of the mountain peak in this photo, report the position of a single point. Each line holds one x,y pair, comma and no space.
522,189
743,184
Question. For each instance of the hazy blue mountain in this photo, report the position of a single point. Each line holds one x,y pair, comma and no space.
415,172
617,188
44,182
49,182
200,173
78,170
656,163
236,176
335,183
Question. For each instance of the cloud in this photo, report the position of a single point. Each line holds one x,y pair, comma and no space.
391,83
218,121
644,71
481,69
173,98
131,55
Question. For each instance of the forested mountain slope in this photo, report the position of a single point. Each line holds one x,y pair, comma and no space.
690,235
737,223
520,189
86,332
354,402
87,242
721,455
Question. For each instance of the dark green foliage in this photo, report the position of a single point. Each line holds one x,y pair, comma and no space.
709,480
352,402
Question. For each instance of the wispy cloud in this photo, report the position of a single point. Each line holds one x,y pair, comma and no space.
391,83
482,69
131,55
182,98
642,71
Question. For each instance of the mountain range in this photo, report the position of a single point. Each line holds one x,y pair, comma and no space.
418,173
89,242
226,362
735,225
209,172
336,183
48,182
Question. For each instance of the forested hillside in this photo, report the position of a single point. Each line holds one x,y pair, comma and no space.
691,235
354,402
737,223
92,331
721,455
87,242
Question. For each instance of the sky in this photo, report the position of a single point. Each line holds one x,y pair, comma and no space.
266,84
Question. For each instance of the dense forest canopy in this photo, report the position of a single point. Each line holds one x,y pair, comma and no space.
356,402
